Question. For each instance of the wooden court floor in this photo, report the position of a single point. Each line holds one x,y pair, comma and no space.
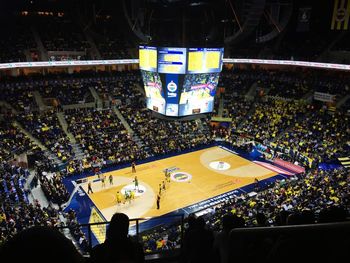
198,181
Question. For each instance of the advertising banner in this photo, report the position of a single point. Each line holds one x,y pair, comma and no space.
324,97
290,166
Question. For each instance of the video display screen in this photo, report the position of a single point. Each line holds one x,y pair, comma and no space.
204,60
154,91
172,60
148,58
198,93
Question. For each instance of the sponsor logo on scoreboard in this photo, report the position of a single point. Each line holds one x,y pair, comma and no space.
172,87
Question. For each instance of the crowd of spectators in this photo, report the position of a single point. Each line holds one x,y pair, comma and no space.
164,237
164,136
328,82
53,188
102,136
67,90
16,213
13,141
46,128
237,109
286,87
236,81
308,194
270,118
320,135
118,86
12,182
21,215
19,95
279,83
320,196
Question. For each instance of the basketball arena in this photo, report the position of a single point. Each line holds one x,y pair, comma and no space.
180,131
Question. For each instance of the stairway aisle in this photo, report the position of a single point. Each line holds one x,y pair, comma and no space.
39,101
53,158
133,135
221,106
96,97
78,151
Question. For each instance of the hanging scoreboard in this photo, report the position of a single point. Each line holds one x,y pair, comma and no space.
180,81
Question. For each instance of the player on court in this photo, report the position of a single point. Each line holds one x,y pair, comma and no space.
90,188
133,167
103,178
126,196
132,195
136,181
167,176
110,179
119,198
160,190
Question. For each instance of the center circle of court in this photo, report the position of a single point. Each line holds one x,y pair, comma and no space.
181,177
218,165
131,187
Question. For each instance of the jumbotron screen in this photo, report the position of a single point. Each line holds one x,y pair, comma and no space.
155,99
180,81
172,60
198,92
148,58
204,60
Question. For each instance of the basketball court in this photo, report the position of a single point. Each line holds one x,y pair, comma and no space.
196,176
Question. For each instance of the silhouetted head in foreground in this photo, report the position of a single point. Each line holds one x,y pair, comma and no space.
40,244
118,247
118,227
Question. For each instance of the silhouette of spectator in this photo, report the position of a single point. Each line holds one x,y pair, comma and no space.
198,244
221,242
307,217
256,184
281,218
40,244
261,219
240,221
294,219
118,247
191,223
332,214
